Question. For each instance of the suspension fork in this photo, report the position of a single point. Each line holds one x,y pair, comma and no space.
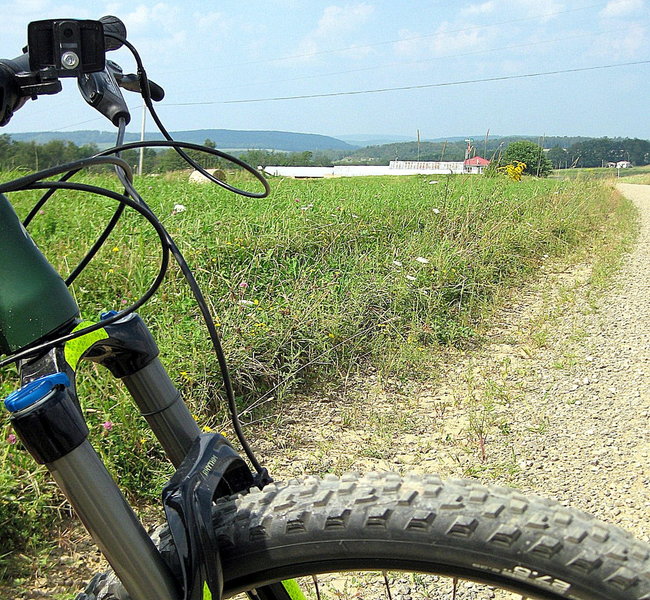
50,423
46,416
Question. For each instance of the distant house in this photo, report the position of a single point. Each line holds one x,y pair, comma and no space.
475,165
623,164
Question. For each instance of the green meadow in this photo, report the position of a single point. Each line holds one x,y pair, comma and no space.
323,278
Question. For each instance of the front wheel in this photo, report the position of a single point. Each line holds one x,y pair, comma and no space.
418,537
452,531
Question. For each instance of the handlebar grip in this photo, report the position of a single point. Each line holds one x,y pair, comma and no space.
10,97
112,25
157,93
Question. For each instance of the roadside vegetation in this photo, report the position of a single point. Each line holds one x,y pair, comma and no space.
324,278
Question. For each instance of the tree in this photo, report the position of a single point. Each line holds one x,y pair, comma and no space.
559,157
530,153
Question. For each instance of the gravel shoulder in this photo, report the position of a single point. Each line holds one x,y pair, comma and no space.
556,402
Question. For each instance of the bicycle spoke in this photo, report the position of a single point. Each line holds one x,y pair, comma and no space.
390,597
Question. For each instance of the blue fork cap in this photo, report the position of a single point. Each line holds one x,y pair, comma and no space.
34,391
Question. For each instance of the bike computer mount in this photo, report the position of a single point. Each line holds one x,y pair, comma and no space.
66,47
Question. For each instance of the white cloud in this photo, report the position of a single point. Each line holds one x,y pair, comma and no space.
621,8
624,45
337,19
480,9
334,25
516,8
448,38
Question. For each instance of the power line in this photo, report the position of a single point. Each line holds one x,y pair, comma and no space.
424,60
413,87
397,41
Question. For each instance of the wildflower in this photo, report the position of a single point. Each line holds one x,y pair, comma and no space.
243,285
107,425
111,270
397,263
424,261
178,208
11,439
124,301
436,211
206,429
116,249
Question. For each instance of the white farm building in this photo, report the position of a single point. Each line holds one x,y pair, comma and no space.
396,167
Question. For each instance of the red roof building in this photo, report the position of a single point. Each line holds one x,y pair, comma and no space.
477,161
475,164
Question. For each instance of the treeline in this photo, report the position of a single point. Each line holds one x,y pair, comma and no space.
600,151
563,153
34,156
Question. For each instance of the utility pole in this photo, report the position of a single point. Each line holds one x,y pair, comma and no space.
144,119
418,145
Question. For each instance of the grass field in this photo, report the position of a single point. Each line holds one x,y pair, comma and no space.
322,278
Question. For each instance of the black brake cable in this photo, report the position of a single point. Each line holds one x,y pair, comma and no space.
133,199
263,476
146,96
199,297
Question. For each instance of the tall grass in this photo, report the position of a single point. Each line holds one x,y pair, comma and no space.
322,277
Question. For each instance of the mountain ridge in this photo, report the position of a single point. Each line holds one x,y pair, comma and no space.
227,139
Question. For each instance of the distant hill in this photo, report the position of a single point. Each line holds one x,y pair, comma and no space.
225,139
373,140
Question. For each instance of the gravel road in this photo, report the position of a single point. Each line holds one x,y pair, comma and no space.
580,429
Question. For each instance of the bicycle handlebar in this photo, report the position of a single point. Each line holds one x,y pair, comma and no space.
18,82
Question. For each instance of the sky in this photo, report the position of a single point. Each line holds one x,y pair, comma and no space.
241,65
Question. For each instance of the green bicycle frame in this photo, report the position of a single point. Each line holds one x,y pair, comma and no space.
34,300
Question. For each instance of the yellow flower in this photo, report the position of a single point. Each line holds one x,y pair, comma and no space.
116,249
206,429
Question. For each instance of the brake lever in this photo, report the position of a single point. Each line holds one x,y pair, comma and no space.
131,82
101,91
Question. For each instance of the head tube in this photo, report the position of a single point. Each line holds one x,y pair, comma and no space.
34,300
